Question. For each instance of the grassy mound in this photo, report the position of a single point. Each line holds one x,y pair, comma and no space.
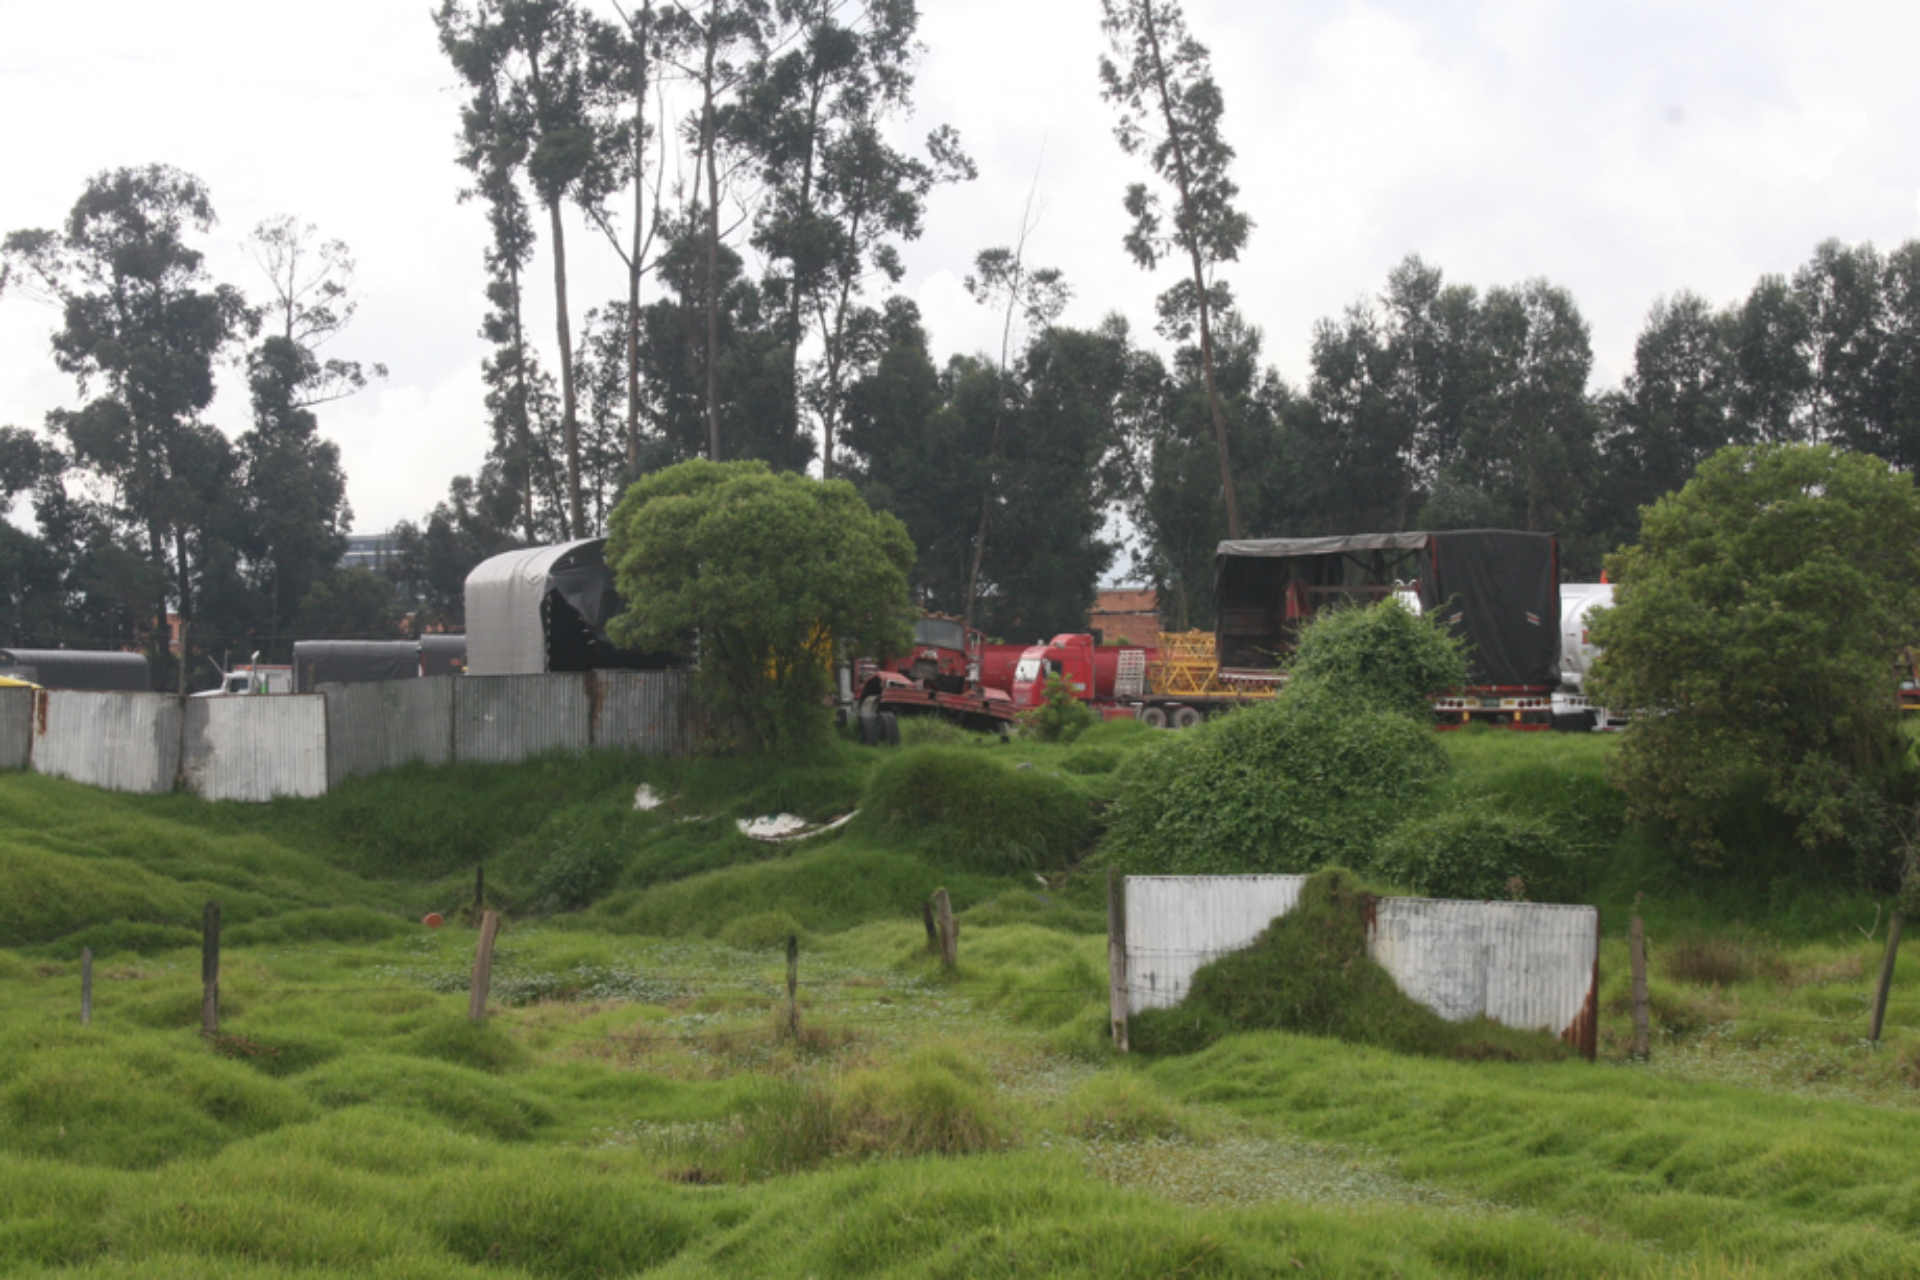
1309,972
965,809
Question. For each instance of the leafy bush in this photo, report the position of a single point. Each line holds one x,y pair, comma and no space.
1062,717
577,854
1311,778
762,931
1309,972
966,809
1473,853
1384,654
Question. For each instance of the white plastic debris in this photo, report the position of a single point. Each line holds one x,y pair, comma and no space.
778,827
645,797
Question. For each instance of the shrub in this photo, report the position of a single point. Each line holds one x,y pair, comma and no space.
576,855
1384,654
1311,778
1092,760
966,809
1062,717
762,931
1472,853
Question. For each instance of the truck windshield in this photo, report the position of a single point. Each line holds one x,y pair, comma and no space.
1027,669
944,633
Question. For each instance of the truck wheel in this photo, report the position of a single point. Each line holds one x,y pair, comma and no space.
1153,717
1185,717
889,729
867,716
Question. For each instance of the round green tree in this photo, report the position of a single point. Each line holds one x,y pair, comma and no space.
763,573
1754,634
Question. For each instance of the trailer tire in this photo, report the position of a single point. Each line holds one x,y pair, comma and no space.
889,729
1153,717
867,715
1185,717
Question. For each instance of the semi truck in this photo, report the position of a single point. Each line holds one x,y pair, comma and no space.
939,675
1498,589
1572,709
95,669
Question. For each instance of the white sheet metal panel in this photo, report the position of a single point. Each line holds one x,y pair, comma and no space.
1175,924
1522,964
256,748
503,719
120,741
502,596
16,724
387,723
650,711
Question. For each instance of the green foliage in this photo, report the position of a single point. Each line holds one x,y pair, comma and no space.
769,571
1309,972
1384,653
1092,760
584,854
967,809
1061,717
1756,624
1311,778
1471,853
762,931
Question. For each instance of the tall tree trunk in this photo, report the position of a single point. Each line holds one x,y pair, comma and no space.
634,264
563,331
521,400
1185,181
708,144
793,289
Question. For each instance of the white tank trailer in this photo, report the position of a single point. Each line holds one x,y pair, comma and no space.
1572,709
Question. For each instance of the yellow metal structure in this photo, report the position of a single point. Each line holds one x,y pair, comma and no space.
1185,668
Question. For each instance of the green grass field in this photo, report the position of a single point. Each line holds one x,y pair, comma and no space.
636,1102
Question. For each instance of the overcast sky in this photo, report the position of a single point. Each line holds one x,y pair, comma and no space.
1624,150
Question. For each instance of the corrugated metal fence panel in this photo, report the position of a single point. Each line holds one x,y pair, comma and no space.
120,741
508,718
16,723
648,711
1175,924
256,748
387,723
1522,964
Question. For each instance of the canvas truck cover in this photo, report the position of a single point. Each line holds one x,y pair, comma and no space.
546,609
1499,588
95,669
318,662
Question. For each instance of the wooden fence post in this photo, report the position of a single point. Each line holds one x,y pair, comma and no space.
1886,978
210,970
1117,957
949,930
793,985
1637,952
933,930
482,967
86,985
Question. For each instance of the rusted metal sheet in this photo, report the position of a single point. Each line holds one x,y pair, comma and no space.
508,718
381,725
120,741
1522,964
650,711
256,748
16,727
1175,924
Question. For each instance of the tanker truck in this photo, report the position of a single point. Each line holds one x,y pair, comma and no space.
1572,709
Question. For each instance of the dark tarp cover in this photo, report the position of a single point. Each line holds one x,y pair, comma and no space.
95,669
1500,588
317,662
443,654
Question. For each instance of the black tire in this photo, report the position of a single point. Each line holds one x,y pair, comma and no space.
1185,717
868,718
889,729
1153,717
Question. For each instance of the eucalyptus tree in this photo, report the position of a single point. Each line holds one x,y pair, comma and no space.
142,326
1034,296
536,111
1161,79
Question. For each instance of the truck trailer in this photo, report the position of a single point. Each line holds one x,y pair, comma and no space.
94,669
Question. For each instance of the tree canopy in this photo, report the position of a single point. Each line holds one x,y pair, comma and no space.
1755,631
764,572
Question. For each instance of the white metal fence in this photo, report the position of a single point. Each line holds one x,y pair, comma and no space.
1522,964
256,748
